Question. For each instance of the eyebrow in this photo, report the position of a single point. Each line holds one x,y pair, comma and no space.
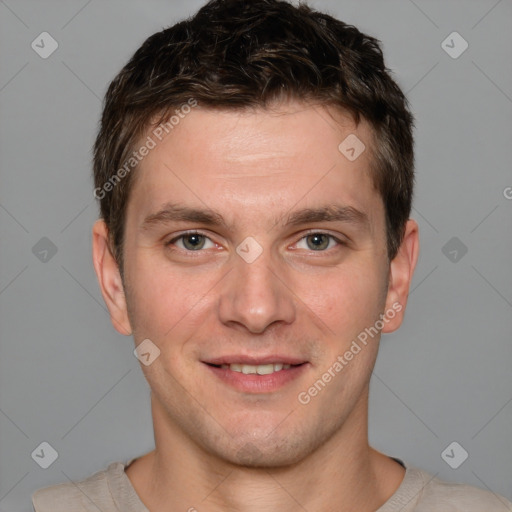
175,213
330,213
171,212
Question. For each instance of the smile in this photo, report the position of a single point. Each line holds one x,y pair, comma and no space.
257,375
260,369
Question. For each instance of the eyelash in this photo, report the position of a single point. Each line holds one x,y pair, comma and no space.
171,242
309,233
331,237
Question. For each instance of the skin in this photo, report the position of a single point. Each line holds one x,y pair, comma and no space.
216,447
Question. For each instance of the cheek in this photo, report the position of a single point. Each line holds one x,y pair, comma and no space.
347,300
162,300
173,306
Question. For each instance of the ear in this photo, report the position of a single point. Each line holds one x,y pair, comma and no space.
109,278
400,276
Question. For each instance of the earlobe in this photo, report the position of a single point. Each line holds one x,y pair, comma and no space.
400,276
109,278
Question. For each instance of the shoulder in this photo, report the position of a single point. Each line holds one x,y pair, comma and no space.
87,495
443,496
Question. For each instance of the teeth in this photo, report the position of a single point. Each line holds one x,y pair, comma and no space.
261,369
265,369
249,368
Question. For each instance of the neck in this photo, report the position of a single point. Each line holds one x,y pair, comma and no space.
343,474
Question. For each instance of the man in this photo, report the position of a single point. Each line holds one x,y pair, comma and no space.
254,168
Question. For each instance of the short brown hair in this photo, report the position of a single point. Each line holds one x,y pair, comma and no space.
237,54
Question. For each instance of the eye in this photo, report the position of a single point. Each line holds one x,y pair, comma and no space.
317,242
192,242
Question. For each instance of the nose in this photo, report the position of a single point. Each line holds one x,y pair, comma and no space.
255,296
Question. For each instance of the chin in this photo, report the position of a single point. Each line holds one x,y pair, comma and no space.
268,452
250,456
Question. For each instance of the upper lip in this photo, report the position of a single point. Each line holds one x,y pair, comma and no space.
254,360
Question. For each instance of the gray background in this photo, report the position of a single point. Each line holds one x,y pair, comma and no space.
69,379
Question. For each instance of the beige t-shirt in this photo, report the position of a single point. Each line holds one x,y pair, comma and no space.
112,491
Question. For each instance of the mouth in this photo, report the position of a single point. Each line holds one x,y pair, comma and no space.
255,369
257,375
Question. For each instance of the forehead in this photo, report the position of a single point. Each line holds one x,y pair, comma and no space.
260,160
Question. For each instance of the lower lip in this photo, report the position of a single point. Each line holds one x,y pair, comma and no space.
254,383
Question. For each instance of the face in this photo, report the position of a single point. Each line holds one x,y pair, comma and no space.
255,256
